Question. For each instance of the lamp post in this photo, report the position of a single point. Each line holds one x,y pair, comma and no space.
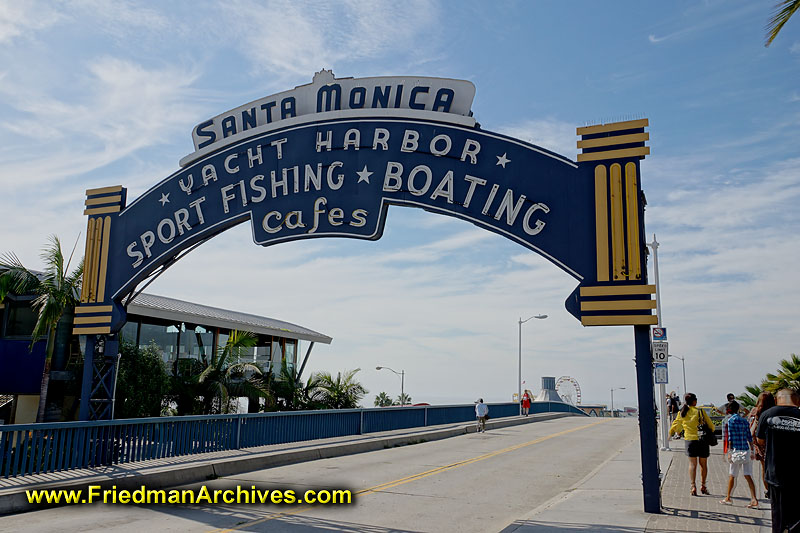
402,375
612,399
662,397
519,361
683,365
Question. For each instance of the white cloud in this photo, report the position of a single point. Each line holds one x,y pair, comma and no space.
795,48
293,39
20,18
550,133
124,107
121,18
702,18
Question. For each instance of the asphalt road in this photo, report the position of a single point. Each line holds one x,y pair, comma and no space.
475,482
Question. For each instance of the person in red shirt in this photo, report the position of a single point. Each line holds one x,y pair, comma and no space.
526,403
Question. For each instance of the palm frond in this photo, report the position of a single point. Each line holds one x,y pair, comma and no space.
16,278
75,280
783,12
53,260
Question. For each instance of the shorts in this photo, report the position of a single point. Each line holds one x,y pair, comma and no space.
735,468
695,448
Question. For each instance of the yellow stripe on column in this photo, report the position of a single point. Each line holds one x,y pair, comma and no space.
632,204
619,320
617,229
102,210
95,259
92,319
612,290
601,220
104,190
93,309
614,140
615,154
613,126
618,305
91,331
87,264
101,283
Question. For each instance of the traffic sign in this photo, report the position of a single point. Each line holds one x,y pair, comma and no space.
660,352
661,373
659,334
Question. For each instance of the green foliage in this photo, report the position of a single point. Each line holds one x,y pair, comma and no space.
783,12
342,391
749,398
56,291
383,400
200,388
291,394
142,382
786,377
403,399
184,389
225,379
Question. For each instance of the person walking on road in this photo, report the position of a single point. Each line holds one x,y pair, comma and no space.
481,413
526,403
740,453
728,399
689,419
674,405
779,431
765,401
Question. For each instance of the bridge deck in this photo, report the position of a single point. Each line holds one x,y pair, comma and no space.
167,472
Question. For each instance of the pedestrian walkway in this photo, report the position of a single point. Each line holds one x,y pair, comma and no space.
684,512
609,499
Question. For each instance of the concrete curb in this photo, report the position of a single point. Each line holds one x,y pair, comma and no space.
15,500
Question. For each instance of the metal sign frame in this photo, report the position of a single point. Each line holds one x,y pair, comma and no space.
328,159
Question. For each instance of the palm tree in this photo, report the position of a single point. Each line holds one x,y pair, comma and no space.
403,399
57,291
291,394
225,378
750,397
783,12
342,391
788,376
383,400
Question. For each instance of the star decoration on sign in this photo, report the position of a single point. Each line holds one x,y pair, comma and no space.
364,175
502,160
164,199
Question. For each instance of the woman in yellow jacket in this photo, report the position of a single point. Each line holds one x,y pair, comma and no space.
689,420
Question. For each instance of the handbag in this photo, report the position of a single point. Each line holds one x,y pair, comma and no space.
740,457
704,433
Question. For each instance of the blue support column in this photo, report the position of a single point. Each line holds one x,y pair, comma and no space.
86,383
651,483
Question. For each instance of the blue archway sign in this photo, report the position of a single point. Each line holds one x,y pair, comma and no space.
328,159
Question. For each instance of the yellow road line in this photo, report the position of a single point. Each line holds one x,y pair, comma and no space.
414,477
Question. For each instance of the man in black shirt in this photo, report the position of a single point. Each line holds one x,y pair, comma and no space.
780,428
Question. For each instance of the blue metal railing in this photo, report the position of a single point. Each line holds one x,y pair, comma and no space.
43,448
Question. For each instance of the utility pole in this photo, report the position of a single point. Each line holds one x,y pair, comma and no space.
662,389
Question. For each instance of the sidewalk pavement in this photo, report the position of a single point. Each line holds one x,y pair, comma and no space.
683,512
186,469
609,499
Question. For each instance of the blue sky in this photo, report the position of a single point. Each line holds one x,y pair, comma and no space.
96,93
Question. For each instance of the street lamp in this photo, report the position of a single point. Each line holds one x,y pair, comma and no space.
402,375
612,399
519,366
683,365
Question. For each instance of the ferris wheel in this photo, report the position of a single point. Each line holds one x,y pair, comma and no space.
567,387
